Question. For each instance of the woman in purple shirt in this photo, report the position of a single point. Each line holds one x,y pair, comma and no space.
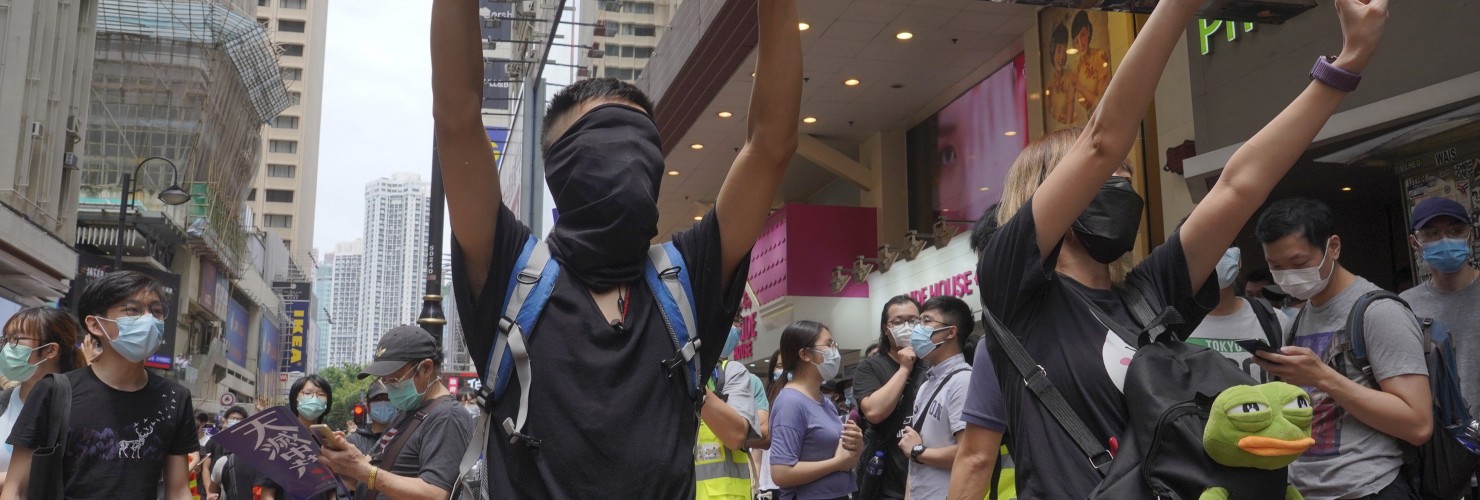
813,452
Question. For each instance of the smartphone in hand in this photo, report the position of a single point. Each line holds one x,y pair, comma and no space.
1257,345
326,436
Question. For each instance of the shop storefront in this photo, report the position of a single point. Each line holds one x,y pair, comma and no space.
1410,131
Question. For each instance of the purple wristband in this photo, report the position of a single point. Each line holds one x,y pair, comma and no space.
1333,76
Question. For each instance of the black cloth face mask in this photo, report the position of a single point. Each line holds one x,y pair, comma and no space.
1108,226
604,174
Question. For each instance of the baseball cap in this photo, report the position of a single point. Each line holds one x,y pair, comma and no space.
377,388
401,345
1426,210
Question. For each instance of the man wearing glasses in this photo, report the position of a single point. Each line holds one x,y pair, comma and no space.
419,455
147,426
1444,235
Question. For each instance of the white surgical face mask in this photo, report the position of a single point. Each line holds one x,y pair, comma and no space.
1228,267
1305,283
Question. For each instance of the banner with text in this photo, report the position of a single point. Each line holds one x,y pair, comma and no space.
274,444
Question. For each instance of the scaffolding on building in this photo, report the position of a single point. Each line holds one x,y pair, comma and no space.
188,80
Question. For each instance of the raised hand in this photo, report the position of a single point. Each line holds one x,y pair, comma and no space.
1362,22
850,447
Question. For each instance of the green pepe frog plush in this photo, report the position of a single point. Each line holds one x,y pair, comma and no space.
1260,426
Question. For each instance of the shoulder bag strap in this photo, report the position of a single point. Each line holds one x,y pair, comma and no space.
393,450
1354,346
669,281
1156,323
1037,380
1267,321
920,419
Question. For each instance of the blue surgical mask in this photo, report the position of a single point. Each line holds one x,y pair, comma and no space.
403,393
381,412
1228,267
832,362
15,362
1447,255
230,422
311,408
730,343
138,336
921,341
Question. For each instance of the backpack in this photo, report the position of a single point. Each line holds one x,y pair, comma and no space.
1270,323
1169,390
1440,468
528,291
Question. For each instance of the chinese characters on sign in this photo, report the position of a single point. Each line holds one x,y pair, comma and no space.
277,446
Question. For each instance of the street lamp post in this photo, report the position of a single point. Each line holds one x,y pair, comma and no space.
172,196
432,319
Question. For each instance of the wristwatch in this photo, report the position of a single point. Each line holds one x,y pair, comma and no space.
1333,76
916,451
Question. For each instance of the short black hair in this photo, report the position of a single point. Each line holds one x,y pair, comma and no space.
203,417
592,88
983,229
242,412
319,382
884,341
1259,274
954,312
112,289
1296,216
1081,21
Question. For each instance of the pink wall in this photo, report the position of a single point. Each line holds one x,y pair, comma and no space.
800,246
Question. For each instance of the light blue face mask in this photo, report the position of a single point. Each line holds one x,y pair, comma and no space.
731,343
1228,267
921,341
1447,255
138,336
311,408
381,412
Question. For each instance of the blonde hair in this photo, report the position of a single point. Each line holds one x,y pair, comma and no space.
1029,170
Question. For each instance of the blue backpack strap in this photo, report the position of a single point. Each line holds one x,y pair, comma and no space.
528,291
668,278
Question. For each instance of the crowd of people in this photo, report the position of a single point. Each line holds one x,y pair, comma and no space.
567,330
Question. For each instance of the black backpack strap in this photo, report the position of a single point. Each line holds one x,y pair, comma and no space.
920,419
1156,324
61,411
1354,346
1037,380
1267,321
387,459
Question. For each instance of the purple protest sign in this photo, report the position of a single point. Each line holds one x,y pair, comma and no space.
274,444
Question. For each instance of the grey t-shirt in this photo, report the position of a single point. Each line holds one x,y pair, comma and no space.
938,421
435,449
1220,333
1458,313
1351,459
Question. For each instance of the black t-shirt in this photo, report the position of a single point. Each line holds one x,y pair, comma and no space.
613,424
364,439
436,447
117,441
872,373
1084,359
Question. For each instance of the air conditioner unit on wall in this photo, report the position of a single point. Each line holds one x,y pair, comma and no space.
1252,11
36,129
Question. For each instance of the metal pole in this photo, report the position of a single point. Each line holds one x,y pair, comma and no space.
432,319
122,219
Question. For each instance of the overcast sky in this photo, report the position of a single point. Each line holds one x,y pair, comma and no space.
377,108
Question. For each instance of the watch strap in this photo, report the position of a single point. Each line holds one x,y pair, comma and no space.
1332,76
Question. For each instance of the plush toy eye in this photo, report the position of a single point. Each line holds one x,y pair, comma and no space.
1247,408
1299,402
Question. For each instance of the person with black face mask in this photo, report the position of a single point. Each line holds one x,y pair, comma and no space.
607,423
1053,273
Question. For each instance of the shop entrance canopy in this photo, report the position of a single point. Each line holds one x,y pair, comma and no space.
1252,11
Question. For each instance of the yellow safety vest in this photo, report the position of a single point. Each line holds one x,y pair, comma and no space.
719,473
1007,481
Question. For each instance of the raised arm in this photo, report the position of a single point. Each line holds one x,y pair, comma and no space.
1259,164
469,174
744,200
1107,138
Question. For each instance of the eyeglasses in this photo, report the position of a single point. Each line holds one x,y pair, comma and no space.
158,311
1434,233
12,340
903,320
828,344
311,394
409,374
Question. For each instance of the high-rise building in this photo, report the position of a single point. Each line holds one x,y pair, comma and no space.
323,291
625,35
392,283
283,189
46,59
457,359
344,311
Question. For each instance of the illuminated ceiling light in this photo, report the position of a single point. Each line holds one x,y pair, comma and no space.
725,114
803,26
851,82
1047,92
809,120
1346,188
1081,99
904,35
1010,133
1105,64
696,146
983,188
752,74
672,172
1071,51
698,217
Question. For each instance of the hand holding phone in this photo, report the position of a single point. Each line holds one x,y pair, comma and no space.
1256,346
326,436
